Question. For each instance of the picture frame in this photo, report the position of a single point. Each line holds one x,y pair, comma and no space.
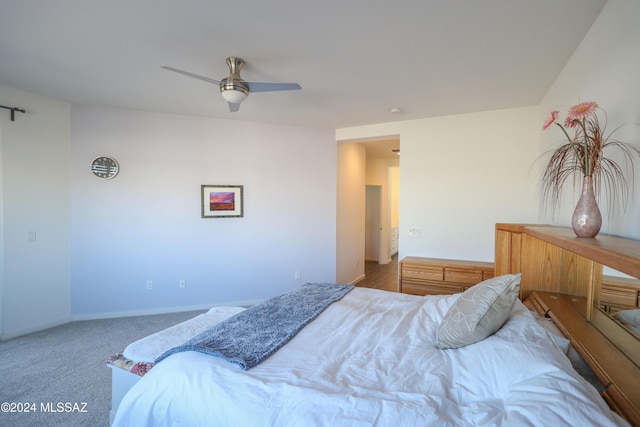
222,201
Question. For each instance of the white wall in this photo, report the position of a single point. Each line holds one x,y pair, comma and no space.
394,187
145,224
605,68
373,224
34,197
350,213
460,175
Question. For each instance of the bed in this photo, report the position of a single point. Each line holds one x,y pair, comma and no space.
373,358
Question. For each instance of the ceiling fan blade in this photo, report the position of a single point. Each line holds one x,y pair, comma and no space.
195,76
270,87
233,107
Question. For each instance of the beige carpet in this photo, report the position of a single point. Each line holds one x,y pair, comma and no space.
60,374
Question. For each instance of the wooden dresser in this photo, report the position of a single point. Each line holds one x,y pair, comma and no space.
563,275
619,293
433,276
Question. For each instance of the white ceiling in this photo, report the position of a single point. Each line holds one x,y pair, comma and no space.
355,59
381,148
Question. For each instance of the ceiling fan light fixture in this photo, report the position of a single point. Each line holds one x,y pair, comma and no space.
234,89
234,96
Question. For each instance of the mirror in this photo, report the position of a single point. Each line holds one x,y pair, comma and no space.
616,311
619,299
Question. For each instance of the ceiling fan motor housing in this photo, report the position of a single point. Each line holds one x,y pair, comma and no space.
233,88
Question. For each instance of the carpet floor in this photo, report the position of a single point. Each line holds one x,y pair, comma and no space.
59,375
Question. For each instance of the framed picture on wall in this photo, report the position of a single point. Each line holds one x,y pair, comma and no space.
221,201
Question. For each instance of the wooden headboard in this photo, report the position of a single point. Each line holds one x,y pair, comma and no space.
564,274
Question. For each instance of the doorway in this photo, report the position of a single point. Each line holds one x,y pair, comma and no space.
362,163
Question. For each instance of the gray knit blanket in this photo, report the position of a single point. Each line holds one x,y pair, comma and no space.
251,336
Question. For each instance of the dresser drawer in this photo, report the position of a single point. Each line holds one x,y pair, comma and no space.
429,288
465,276
434,276
620,296
423,273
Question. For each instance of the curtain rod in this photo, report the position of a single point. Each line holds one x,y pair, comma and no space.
13,111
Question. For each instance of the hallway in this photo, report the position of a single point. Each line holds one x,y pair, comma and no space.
381,276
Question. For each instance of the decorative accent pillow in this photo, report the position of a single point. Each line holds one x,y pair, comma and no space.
479,312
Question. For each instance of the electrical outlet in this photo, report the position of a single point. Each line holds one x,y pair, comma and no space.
297,275
182,283
414,232
149,285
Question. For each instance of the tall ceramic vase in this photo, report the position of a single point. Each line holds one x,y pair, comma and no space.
587,220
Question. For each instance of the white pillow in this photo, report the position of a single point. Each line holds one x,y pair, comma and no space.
630,319
479,312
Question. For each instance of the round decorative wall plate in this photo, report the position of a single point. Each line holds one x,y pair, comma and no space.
105,167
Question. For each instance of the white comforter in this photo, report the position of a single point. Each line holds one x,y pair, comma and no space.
370,359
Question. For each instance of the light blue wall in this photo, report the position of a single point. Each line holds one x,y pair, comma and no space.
146,223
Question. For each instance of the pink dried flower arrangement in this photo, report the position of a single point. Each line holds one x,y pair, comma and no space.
584,152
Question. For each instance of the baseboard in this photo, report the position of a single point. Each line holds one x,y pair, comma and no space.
163,310
6,335
359,279
387,261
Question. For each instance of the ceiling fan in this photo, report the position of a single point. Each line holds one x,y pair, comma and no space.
235,89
